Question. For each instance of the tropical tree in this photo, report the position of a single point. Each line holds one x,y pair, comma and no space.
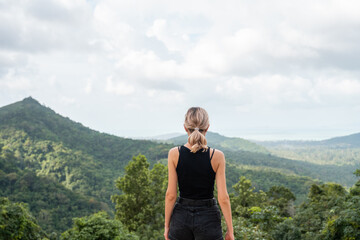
98,226
16,222
283,199
141,203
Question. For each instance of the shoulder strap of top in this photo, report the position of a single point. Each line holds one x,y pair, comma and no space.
179,149
212,154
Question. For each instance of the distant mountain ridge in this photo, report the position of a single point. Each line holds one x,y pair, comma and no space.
347,141
222,142
163,136
343,150
241,152
352,140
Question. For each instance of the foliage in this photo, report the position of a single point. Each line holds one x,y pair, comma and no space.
50,202
264,179
345,224
325,172
245,197
282,198
355,190
319,154
98,226
81,159
16,222
329,213
244,229
253,215
45,149
140,206
65,170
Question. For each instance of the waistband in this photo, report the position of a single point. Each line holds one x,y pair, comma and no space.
197,202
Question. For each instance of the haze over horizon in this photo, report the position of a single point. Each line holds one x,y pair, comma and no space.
264,70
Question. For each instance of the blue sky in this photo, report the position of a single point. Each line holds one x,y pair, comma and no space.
262,69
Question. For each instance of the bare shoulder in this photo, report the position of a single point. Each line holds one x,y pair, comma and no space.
173,154
173,151
219,155
218,159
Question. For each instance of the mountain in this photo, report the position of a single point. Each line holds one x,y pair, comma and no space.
340,151
62,162
222,142
348,141
82,159
352,141
242,152
163,136
54,158
42,123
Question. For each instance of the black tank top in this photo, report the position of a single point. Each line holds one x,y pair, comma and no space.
195,174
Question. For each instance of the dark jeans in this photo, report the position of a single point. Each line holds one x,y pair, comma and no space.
189,222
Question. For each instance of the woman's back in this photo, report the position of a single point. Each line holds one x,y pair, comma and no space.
195,173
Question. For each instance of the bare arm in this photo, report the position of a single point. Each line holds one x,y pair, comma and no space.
171,192
223,196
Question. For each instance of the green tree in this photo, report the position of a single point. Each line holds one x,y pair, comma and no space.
97,226
16,222
344,225
246,197
245,229
355,190
140,206
282,198
324,201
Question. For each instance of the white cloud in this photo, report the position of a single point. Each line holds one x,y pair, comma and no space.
245,55
345,87
174,41
119,87
67,100
89,86
13,81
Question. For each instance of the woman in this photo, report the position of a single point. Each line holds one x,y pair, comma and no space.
195,215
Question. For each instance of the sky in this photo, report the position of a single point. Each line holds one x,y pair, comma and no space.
264,70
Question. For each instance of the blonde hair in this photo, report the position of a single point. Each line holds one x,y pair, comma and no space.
197,121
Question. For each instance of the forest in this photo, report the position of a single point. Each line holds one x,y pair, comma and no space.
62,180
329,212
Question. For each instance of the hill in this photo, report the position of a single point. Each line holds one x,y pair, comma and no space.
222,142
324,172
242,152
348,141
82,159
81,164
344,150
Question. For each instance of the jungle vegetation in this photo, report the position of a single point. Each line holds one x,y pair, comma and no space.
62,180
